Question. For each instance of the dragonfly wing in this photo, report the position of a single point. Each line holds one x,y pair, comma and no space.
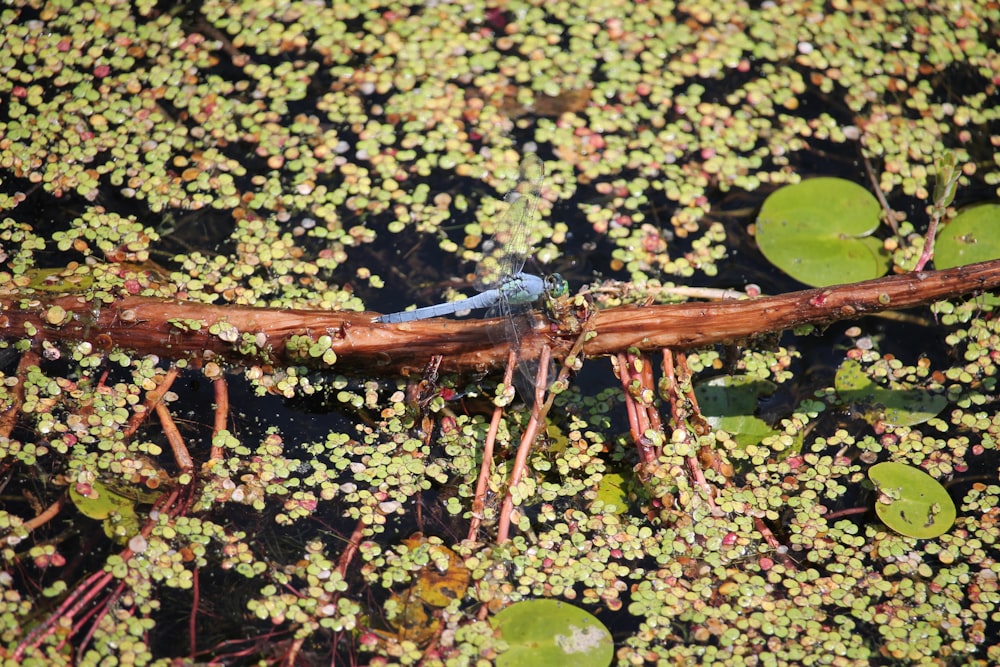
501,267
505,254
517,320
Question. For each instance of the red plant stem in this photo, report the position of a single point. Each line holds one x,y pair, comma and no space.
698,422
649,416
928,252
153,398
181,454
91,587
682,430
221,414
649,382
8,418
74,602
193,617
637,385
483,483
353,542
631,410
98,612
46,515
293,652
779,549
840,514
649,419
527,440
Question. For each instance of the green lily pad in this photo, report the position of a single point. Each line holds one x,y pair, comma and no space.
116,511
973,236
819,232
911,502
900,406
100,501
611,491
551,632
729,402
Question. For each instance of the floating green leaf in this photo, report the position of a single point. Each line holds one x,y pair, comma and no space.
911,502
901,406
819,232
551,632
729,402
611,491
973,236
101,502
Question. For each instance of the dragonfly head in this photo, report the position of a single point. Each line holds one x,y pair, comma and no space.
556,286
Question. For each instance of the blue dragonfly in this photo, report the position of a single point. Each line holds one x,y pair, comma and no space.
503,286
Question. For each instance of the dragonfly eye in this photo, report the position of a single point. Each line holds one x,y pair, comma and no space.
556,286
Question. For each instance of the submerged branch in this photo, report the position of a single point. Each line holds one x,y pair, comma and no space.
261,336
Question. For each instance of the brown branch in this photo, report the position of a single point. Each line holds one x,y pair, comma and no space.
259,336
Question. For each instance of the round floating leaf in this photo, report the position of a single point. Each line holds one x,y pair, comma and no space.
905,407
100,501
911,502
900,406
973,236
819,232
611,491
115,510
444,581
411,619
851,382
729,402
551,632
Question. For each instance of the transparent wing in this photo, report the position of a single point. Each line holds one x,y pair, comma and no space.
504,255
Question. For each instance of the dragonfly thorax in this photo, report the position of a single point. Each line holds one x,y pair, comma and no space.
523,288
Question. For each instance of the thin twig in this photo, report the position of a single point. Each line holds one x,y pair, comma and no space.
649,385
638,414
93,618
620,366
193,616
698,422
888,213
944,194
